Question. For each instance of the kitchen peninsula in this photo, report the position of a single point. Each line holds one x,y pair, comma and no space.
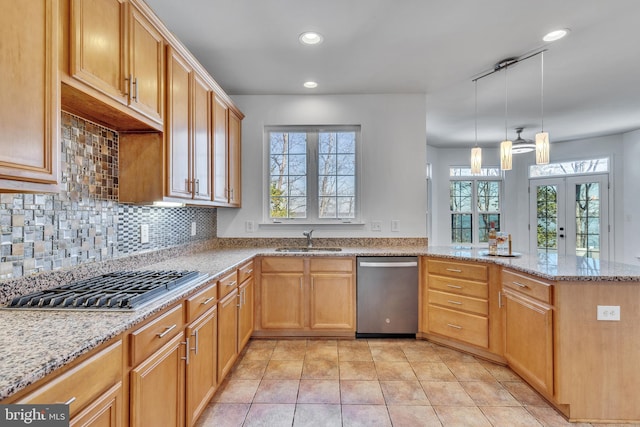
588,369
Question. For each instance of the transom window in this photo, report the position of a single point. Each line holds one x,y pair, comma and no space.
475,202
313,173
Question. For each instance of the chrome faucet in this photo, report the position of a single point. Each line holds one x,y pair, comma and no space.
307,234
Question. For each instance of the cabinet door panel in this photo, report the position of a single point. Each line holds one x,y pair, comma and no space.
245,317
202,162
529,340
29,94
157,388
202,376
106,411
178,87
332,301
282,300
227,333
97,45
220,177
234,161
146,49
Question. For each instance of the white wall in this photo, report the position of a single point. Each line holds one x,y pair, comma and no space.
625,182
631,201
393,154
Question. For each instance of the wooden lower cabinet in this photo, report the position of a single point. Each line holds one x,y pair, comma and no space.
202,375
157,387
529,340
332,301
105,411
227,333
245,311
312,296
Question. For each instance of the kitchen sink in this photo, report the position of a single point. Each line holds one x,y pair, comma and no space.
306,249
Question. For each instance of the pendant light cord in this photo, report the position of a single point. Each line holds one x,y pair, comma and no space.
476,109
506,101
542,90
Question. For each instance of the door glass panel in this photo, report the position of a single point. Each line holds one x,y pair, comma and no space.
587,217
547,218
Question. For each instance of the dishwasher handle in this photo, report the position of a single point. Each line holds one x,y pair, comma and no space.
388,264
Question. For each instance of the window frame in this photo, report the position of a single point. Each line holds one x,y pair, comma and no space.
463,174
311,175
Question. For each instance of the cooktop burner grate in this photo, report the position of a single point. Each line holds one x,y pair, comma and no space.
124,290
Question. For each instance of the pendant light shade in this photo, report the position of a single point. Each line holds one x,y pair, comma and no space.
476,160
505,155
542,148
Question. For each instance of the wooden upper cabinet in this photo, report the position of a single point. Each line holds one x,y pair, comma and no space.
201,137
178,126
220,154
146,66
234,169
29,97
188,130
118,52
98,41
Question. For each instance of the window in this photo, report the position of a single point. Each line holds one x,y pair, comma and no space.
313,174
474,202
576,167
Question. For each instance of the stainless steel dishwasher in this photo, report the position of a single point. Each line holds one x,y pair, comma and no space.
387,296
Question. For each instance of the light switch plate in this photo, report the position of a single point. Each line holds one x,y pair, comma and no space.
395,225
249,226
144,233
609,313
376,225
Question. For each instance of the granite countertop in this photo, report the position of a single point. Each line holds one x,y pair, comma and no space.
35,343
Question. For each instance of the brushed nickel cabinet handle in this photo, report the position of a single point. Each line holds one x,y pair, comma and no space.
499,299
454,326
454,286
521,285
70,401
186,350
135,83
454,270
454,302
196,335
166,331
207,301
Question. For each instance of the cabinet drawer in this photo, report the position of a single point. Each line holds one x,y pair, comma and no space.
227,284
458,269
154,335
282,264
202,301
84,383
342,265
461,326
459,286
527,285
245,271
459,302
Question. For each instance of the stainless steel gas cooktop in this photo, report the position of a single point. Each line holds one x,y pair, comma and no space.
122,290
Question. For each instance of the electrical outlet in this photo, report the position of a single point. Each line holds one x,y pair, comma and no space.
193,228
609,313
144,233
376,225
249,226
395,225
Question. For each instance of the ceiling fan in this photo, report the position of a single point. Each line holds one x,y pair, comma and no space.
521,145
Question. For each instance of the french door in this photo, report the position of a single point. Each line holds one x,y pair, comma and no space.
570,216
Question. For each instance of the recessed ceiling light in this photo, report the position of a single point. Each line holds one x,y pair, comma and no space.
310,85
311,38
556,35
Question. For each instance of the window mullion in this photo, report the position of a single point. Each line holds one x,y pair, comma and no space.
312,175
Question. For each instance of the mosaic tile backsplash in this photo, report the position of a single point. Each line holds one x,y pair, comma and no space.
84,222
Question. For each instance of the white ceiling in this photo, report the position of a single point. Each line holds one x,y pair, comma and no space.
435,47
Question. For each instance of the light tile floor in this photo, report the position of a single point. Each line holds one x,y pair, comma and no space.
376,382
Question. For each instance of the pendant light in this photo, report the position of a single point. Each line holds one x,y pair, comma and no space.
542,138
476,152
505,146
